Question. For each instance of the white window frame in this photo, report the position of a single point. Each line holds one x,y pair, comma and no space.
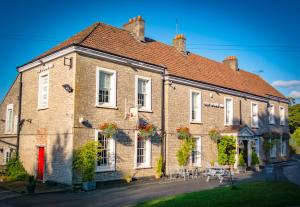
198,146
283,149
7,150
271,110
273,149
252,123
199,114
9,123
113,95
112,155
148,101
282,120
231,111
40,91
148,154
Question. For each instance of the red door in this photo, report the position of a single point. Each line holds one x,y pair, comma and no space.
41,163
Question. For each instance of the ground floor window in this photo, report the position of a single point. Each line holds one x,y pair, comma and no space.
106,161
196,153
273,150
283,147
143,152
7,155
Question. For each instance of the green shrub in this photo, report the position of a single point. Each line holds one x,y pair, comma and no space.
159,166
85,159
254,159
185,150
226,150
15,170
241,160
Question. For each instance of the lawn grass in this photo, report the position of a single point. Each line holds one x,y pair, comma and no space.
250,194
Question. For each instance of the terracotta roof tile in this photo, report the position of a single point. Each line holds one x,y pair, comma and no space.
118,41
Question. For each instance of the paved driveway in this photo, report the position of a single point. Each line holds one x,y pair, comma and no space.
121,196
292,172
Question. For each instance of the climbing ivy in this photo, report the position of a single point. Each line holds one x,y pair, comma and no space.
226,150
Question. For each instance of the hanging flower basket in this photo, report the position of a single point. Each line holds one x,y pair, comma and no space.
109,129
183,133
146,131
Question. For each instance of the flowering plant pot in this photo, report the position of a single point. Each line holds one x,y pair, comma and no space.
146,131
183,133
109,129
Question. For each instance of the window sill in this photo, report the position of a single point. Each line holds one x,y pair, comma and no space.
254,127
196,122
106,106
42,108
142,167
145,110
107,169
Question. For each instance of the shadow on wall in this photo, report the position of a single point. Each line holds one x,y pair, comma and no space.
59,164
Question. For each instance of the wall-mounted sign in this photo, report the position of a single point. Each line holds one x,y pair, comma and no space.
214,105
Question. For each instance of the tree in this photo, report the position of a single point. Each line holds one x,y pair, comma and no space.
185,150
294,117
296,137
292,101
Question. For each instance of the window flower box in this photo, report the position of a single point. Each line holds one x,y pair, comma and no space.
109,129
146,131
183,133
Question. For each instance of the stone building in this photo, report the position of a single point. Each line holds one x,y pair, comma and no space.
107,74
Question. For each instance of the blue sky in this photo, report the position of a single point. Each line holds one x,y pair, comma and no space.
263,34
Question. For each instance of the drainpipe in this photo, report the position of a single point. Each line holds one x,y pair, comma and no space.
163,133
19,113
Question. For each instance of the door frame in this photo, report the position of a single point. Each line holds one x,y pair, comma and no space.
37,161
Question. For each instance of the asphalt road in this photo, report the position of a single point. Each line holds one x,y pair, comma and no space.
130,195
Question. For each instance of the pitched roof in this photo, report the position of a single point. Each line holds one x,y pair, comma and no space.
100,36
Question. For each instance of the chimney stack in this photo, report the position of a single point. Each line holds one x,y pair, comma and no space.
136,26
231,62
179,43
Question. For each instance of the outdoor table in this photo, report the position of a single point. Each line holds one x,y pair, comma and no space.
217,172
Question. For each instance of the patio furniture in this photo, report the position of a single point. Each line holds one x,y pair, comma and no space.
216,172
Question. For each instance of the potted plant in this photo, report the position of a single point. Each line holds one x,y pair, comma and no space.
109,129
241,164
254,161
183,132
146,130
159,168
31,184
84,161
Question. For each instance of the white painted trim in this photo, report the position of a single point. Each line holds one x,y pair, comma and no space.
271,121
4,155
199,120
93,53
112,155
148,153
199,157
221,89
11,123
113,95
251,108
148,100
225,111
40,107
283,122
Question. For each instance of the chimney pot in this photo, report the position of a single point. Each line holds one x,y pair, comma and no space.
136,26
179,43
231,62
